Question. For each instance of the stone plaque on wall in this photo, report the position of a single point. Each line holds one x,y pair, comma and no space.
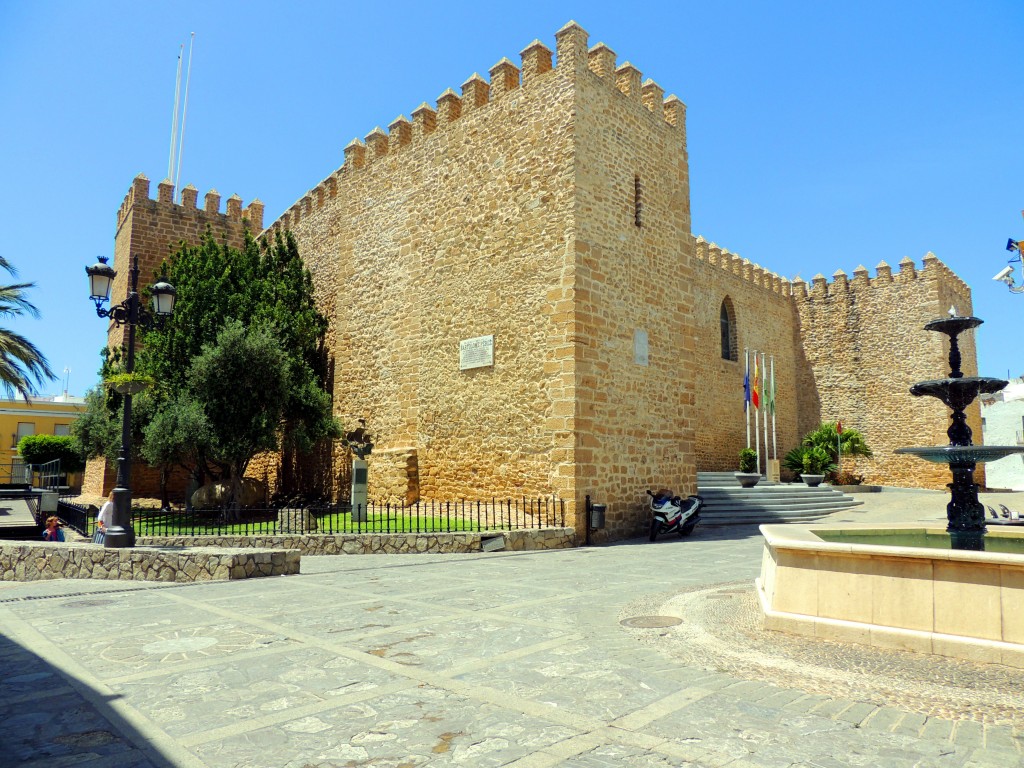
640,350
476,353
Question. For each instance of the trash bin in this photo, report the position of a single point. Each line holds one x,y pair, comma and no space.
597,512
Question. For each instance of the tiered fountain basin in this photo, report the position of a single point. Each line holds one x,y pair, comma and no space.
864,584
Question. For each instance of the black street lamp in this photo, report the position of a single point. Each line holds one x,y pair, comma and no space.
129,312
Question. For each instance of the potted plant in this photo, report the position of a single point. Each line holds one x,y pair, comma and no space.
748,474
129,383
816,464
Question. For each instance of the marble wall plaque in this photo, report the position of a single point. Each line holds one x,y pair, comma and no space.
476,353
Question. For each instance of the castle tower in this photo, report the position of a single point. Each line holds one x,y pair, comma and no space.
154,229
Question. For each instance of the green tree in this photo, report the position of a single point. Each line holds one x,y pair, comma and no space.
242,381
179,434
42,449
262,284
23,368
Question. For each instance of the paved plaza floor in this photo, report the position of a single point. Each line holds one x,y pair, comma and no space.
633,654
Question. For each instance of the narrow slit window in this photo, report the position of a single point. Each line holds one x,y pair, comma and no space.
638,203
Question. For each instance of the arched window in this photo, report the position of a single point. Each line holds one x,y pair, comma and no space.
727,321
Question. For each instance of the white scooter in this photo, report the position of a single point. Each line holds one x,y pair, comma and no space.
672,513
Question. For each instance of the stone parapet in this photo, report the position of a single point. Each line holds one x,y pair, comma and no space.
380,543
713,255
36,561
477,94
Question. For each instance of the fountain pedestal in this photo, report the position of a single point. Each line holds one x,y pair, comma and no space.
966,515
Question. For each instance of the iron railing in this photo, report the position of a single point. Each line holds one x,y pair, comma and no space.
80,517
421,517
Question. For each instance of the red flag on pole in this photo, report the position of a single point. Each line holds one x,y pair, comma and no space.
839,427
755,385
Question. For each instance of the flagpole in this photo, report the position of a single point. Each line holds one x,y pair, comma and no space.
764,394
839,446
746,390
757,414
775,445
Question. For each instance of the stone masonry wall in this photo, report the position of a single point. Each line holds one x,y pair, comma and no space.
451,226
35,561
380,543
632,353
865,344
100,477
153,229
765,320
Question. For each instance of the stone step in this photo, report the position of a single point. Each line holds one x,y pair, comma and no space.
726,503
796,505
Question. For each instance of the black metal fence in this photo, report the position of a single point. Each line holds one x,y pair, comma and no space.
80,517
421,517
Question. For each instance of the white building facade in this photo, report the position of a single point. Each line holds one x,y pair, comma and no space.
1002,423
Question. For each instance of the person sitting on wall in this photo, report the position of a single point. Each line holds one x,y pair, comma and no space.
53,531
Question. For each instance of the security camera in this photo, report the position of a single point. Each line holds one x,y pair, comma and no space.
1004,275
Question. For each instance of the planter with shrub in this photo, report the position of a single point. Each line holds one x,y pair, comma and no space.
748,476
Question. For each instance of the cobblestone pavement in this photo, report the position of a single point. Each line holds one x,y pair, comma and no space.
499,659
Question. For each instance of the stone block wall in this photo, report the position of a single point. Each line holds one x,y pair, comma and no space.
153,230
765,319
100,478
378,543
451,226
35,561
865,344
629,294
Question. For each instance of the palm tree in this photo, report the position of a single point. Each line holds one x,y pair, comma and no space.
22,366
826,437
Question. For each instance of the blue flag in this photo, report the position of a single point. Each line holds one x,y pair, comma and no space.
746,390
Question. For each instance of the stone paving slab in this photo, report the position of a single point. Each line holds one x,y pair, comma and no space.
499,659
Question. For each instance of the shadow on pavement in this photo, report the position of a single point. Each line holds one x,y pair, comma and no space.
50,718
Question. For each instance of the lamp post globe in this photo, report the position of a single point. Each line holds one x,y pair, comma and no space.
130,313
101,278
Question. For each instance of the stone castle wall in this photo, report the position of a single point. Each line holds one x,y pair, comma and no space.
865,344
449,227
549,207
153,229
631,295
765,320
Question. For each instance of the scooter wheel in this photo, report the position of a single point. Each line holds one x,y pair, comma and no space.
655,527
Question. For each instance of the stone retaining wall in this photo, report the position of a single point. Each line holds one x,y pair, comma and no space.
34,561
380,543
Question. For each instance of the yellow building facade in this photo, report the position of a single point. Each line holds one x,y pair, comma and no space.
36,416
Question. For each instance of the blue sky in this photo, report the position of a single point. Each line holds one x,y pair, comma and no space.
822,135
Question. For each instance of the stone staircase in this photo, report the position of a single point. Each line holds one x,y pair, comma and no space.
725,503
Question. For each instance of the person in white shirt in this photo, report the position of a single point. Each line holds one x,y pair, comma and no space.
104,518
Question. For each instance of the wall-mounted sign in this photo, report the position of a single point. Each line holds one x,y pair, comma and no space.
640,348
476,353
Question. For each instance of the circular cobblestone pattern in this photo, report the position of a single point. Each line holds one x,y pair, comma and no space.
722,630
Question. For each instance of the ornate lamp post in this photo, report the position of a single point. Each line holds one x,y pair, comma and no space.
129,312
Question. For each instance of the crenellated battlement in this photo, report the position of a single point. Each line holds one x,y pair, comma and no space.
733,263
931,269
139,192
477,94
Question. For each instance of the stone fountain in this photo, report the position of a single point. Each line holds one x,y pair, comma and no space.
965,513
911,586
